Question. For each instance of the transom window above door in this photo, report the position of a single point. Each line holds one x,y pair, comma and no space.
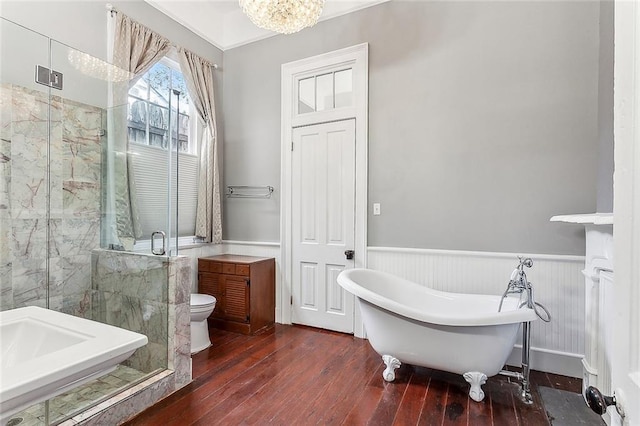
326,91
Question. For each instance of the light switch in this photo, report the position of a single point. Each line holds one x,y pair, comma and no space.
376,209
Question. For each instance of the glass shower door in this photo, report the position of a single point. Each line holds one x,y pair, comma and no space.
153,105
24,178
78,116
24,163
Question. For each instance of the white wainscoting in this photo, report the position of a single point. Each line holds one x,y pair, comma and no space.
558,283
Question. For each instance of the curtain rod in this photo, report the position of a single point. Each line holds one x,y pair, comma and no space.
113,10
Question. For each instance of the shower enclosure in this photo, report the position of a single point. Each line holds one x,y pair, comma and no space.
64,163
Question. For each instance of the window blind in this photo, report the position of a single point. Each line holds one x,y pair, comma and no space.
150,170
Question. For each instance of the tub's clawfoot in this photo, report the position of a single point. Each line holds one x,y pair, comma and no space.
476,379
392,363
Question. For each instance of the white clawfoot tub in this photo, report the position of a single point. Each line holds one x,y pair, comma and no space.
458,333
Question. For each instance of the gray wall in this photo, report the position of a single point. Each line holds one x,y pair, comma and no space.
482,122
605,110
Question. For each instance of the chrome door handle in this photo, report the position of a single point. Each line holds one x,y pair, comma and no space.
153,243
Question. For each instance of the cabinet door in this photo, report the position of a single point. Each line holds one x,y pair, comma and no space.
213,285
236,298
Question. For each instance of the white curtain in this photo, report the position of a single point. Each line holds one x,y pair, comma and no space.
135,49
198,74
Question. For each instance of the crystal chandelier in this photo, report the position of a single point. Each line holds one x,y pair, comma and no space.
283,16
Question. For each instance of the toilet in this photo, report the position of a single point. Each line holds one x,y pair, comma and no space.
201,307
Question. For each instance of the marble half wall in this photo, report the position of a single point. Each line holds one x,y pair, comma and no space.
150,295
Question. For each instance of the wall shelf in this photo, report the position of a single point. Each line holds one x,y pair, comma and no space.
587,218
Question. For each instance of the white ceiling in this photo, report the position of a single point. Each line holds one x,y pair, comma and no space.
222,23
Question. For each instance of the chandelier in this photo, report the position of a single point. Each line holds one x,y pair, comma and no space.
282,16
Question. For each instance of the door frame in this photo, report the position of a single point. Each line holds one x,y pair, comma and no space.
358,58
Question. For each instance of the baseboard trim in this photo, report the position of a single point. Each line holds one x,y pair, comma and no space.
563,363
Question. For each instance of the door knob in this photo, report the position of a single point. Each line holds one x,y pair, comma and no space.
349,254
597,401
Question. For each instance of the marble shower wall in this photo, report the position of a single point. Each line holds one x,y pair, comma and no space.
50,168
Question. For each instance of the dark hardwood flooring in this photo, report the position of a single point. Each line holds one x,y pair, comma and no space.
299,375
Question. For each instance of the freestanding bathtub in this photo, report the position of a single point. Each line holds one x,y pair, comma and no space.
458,333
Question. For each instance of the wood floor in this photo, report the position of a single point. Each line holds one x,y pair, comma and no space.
299,375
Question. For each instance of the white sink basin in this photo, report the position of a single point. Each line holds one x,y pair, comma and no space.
44,353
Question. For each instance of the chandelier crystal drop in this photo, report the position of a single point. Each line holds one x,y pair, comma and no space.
283,16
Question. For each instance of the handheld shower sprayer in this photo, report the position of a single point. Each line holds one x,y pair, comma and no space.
518,283
518,280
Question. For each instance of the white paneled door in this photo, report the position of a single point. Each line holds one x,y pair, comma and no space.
624,352
323,212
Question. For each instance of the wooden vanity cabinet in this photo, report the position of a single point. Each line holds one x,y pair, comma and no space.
244,288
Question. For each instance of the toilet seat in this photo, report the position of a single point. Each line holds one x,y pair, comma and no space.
201,301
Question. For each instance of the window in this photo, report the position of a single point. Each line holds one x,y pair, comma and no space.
153,103
158,119
325,91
